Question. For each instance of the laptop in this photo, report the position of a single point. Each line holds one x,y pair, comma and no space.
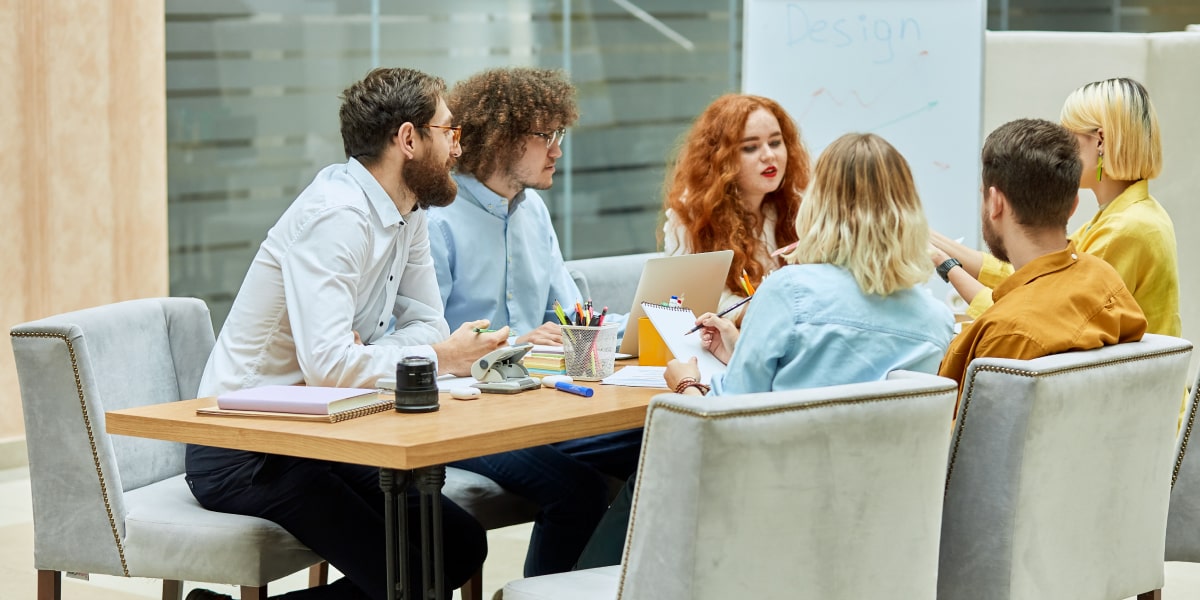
697,278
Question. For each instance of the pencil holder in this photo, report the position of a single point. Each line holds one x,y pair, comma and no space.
589,351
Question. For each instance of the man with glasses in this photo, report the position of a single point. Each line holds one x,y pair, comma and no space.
341,290
497,257
513,123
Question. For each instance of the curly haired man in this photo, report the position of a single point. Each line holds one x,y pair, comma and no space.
497,257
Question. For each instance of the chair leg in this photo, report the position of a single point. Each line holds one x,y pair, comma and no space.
254,593
473,590
172,589
1151,595
49,585
318,574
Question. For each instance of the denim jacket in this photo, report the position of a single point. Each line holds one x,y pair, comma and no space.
811,326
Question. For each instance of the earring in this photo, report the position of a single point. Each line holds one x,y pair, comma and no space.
1099,165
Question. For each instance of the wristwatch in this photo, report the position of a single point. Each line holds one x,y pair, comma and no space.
943,270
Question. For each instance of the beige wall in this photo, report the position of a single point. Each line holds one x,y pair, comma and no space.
1029,74
83,160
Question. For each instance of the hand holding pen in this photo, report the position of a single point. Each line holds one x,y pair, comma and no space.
719,337
698,326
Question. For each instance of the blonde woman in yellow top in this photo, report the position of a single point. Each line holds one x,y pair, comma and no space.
1117,130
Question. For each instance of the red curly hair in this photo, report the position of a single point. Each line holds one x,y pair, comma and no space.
703,193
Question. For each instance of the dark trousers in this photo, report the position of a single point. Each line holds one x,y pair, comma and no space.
607,544
337,511
568,483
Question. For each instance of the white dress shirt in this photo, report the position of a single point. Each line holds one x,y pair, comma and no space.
340,260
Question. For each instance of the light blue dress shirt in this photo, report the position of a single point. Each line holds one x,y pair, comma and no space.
498,260
810,326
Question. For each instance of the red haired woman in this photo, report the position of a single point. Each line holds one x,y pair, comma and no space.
736,184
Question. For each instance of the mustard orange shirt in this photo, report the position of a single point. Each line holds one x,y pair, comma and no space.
1059,302
1134,235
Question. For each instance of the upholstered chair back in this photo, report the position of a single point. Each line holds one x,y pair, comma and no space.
830,492
610,280
1059,474
72,367
1183,520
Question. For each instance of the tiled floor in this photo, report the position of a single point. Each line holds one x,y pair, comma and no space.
505,559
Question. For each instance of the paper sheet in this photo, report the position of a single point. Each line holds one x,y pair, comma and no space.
545,349
648,377
450,382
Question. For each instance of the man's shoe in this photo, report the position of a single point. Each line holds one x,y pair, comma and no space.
203,594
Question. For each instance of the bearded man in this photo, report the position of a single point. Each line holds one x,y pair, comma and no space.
341,290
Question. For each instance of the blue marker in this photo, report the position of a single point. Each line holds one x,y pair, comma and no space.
578,390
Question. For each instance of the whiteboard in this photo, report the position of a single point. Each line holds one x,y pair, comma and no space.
910,71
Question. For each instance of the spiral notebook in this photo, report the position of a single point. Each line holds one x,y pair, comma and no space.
673,323
335,417
306,403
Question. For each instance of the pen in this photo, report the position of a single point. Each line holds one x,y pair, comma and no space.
746,285
720,314
785,249
482,330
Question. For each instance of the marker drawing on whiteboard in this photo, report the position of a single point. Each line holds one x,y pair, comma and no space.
928,107
838,30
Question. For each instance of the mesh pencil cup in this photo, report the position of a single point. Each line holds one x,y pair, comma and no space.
589,351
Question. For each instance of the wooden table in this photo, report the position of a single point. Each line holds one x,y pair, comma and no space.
408,448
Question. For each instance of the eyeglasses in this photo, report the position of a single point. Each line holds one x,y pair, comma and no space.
554,136
455,130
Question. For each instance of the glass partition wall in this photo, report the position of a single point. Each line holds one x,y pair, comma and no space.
252,99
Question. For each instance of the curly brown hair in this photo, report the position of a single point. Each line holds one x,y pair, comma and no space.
702,186
498,108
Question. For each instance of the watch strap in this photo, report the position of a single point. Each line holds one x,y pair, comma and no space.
943,270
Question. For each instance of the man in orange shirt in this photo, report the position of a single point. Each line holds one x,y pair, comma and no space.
1058,299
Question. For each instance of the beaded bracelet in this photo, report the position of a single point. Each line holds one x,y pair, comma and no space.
688,382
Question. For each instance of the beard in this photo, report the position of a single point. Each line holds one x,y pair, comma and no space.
994,243
430,182
524,180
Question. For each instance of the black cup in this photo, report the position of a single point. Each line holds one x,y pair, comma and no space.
416,385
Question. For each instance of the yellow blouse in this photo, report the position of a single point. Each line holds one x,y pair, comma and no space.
1134,235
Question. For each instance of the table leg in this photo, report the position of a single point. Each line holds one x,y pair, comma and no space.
395,500
429,481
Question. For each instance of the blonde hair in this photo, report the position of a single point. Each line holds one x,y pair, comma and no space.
1122,108
863,214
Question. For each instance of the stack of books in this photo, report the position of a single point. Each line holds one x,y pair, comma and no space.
545,363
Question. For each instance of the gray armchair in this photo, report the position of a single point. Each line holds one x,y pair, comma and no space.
1183,519
1059,474
828,492
118,505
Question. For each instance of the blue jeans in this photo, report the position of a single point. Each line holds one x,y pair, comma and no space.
568,483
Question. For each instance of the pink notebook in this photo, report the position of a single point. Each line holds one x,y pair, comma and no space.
299,399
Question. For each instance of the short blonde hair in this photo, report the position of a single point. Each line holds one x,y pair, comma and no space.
863,214
1122,108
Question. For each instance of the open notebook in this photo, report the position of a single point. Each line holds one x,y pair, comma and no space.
672,324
